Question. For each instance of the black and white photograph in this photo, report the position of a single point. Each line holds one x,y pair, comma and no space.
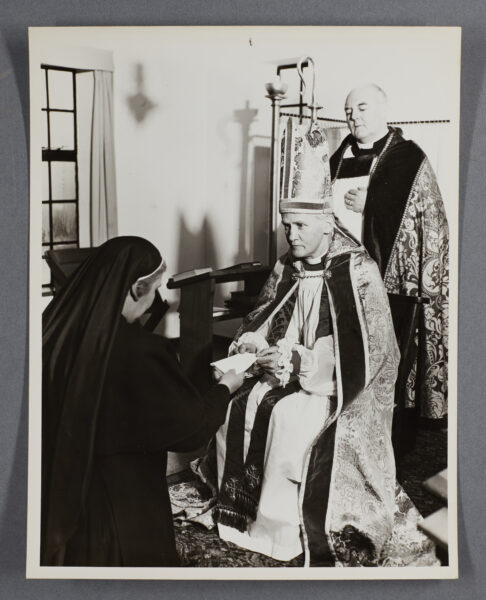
243,302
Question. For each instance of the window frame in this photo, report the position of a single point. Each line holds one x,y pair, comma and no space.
55,155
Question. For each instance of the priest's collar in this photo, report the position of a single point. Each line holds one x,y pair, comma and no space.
368,149
313,263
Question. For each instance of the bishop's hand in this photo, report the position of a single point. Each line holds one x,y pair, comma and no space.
268,359
245,347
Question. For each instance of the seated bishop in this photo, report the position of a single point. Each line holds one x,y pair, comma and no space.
304,461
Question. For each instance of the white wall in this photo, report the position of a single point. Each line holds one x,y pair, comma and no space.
186,170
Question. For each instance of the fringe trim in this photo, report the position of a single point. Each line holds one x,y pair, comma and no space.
229,517
246,504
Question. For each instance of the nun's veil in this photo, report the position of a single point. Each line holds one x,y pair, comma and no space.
78,328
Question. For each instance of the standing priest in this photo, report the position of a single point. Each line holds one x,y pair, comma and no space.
386,194
304,458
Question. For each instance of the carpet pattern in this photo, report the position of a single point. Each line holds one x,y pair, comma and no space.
200,547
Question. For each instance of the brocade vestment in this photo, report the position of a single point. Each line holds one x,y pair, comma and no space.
405,231
326,433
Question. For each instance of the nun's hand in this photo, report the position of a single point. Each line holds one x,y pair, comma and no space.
217,374
232,380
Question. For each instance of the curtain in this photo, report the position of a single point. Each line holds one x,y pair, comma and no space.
103,182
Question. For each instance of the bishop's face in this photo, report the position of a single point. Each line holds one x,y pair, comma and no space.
366,114
307,234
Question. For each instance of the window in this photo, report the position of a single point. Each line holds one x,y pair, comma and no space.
60,196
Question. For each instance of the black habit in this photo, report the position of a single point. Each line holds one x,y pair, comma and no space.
114,401
148,408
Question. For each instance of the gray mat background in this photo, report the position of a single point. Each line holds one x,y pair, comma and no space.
15,17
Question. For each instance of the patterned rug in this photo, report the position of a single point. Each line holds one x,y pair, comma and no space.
201,547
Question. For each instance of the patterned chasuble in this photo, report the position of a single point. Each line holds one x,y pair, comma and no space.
352,510
242,478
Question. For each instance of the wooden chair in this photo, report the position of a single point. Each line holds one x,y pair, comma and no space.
407,314
65,261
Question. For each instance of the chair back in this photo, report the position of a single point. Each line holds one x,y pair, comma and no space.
65,261
407,314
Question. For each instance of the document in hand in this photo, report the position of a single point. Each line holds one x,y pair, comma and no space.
238,362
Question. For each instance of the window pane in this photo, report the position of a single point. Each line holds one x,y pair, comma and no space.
63,181
44,138
62,131
46,273
45,181
60,89
45,223
64,225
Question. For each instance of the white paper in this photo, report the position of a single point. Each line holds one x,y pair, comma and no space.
238,362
